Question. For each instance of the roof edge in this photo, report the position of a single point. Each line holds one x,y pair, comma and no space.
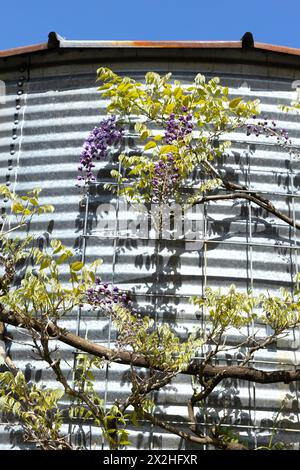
274,48
55,41
24,50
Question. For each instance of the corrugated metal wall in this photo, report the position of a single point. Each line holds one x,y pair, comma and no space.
50,109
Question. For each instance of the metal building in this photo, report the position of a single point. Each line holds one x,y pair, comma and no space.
51,103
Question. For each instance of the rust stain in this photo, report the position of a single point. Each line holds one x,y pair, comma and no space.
188,44
154,44
24,50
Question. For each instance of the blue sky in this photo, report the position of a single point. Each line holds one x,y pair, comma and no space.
25,22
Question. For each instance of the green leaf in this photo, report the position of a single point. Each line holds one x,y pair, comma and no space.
48,208
134,418
56,246
144,135
17,208
138,126
186,101
35,192
62,258
235,102
45,263
199,79
115,174
27,212
34,201
111,431
76,266
168,148
124,442
170,108
150,145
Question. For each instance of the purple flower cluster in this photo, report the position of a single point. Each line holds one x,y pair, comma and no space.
269,130
105,295
178,128
165,180
95,147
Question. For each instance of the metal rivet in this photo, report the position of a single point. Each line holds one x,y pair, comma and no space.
8,183
20,83
20,92
14,136
10,167
18,106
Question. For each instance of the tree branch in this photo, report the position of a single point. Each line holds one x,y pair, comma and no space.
129,358
242,193
256,199
203,440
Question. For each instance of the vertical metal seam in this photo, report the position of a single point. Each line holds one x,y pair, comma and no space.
115,244
250,248
295,259
83,249
205,417
78,317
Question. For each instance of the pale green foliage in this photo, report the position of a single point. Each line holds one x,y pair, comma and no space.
25,207
231,309
112,421
203,188
115,423
237,309
294,107
41,293
22,210
158,343
214,114
280,313
84,381
225,434
158,98
85,372
36,407
146,405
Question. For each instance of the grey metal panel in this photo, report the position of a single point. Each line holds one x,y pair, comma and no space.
57,115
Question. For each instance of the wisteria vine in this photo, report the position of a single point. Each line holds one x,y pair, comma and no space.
96,146
269,129
104,295
178,128
166,179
